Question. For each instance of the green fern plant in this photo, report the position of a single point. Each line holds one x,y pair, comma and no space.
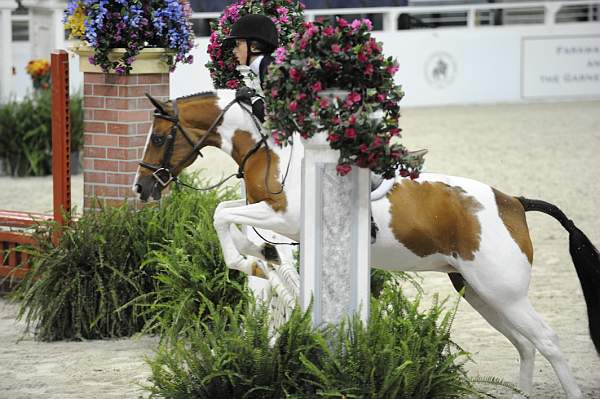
118,271
401,353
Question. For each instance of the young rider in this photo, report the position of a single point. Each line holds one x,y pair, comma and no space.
255,38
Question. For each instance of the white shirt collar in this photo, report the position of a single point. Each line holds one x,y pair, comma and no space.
255,65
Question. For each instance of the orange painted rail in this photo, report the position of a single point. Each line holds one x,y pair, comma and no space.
61,173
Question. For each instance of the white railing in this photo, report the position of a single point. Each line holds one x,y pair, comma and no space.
468,15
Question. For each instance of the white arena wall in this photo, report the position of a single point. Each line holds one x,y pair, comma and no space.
489,65
462,65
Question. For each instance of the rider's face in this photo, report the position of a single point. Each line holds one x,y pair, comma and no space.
241,51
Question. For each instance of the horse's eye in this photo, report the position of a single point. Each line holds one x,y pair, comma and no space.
157,139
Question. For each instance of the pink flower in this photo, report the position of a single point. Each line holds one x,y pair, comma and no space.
392,69
295,74
343,169
369,70
328,31
311,31
282,10
394,131
363,148
353,98
333,138
368,23
276,137
284,19
316,86
324,103
293,106
303,44
280,55
381,97
335,48
274,93
356,24
376,142
301,96
232,84
362,57
352,119
342,23
350,133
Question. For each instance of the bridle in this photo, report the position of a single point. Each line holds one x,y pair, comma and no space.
163,173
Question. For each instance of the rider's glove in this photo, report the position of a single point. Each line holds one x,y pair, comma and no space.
244,94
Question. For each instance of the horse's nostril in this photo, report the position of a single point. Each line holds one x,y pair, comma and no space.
138,188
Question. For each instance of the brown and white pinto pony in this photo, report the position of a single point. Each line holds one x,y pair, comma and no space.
473,232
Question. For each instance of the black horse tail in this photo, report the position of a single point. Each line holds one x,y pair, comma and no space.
585,258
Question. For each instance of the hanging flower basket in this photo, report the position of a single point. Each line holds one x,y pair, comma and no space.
116,33
362,119
288,16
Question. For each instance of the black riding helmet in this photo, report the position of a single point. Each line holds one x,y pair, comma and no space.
256,27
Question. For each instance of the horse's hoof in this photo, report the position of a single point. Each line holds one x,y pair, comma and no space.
270,253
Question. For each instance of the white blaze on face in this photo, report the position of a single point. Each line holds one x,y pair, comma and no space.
137,175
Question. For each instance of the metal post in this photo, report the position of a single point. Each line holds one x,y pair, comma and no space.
61,135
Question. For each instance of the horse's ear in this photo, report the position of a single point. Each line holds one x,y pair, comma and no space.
160,106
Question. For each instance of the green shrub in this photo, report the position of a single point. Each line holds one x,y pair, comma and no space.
26,133
188,265
92,283
402,353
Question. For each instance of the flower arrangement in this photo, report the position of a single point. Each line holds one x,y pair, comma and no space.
288,16
132,25
39,70
362,124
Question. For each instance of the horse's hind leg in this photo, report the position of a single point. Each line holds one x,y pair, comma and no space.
506,293
524,346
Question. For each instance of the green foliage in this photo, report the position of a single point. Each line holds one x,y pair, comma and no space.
92,284
400,354
26,133
74,287
188,265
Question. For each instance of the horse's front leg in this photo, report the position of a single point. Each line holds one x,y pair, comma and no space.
258,215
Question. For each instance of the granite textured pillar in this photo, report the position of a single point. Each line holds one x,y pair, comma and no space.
335,242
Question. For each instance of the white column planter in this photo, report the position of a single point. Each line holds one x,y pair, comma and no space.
335,238
46,29
6,63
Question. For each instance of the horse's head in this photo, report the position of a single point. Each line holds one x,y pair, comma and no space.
180,129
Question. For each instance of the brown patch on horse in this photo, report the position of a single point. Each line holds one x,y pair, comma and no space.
199,112
432,217
512,213
257,272
255,169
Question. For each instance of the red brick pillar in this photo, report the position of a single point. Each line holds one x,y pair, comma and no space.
117,118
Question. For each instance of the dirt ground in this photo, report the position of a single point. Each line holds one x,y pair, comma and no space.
545,151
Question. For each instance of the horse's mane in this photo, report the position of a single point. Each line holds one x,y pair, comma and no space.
201,94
